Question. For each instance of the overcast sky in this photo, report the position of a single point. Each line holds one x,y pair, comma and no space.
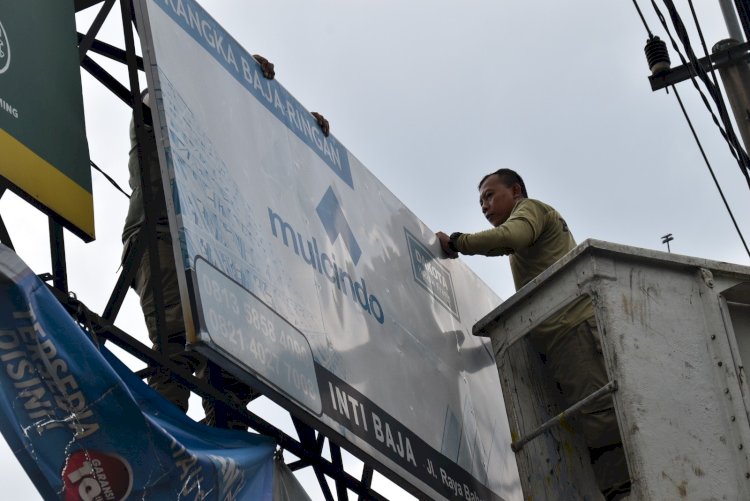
431,95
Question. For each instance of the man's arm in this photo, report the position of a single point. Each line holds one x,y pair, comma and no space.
519,231
516,233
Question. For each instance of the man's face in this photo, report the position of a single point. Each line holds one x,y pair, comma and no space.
497,200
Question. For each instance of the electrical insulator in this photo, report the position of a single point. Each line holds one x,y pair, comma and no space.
657,56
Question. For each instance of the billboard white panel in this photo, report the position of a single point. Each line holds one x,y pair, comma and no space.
312,279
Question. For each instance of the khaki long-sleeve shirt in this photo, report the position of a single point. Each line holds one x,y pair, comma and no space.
535,236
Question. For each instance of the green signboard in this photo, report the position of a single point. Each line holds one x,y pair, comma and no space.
45,155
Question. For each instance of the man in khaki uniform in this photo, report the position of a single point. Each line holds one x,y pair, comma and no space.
534,236
190,361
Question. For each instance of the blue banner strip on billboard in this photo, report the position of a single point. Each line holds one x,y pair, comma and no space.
240,64
84,426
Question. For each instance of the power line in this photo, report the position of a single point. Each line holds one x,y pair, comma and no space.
717,87
643,19
705,50
710,169
112,181
696,70
743,10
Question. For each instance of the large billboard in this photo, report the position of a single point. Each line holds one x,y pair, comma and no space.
314,282
45,155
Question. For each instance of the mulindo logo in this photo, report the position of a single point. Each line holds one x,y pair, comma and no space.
340,274
335,223
4,49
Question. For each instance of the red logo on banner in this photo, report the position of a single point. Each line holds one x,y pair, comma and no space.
96,476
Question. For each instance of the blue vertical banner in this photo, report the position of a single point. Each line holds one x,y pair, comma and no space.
85,427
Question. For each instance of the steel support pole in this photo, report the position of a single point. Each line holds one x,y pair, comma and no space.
85,44
57,253
306,436
148,230
731,20
736,80
366,480
4,235
337,460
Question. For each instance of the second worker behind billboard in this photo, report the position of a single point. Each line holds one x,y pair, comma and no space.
191,361
534,236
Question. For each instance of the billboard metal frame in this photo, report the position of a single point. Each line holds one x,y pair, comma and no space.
310,444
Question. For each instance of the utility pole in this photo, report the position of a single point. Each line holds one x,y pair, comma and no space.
730,19
736,75
730,58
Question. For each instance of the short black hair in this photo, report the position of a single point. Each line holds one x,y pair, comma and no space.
508,177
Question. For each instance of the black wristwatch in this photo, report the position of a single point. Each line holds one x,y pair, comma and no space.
453,240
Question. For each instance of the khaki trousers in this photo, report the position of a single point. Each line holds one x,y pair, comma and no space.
190,361
575,361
